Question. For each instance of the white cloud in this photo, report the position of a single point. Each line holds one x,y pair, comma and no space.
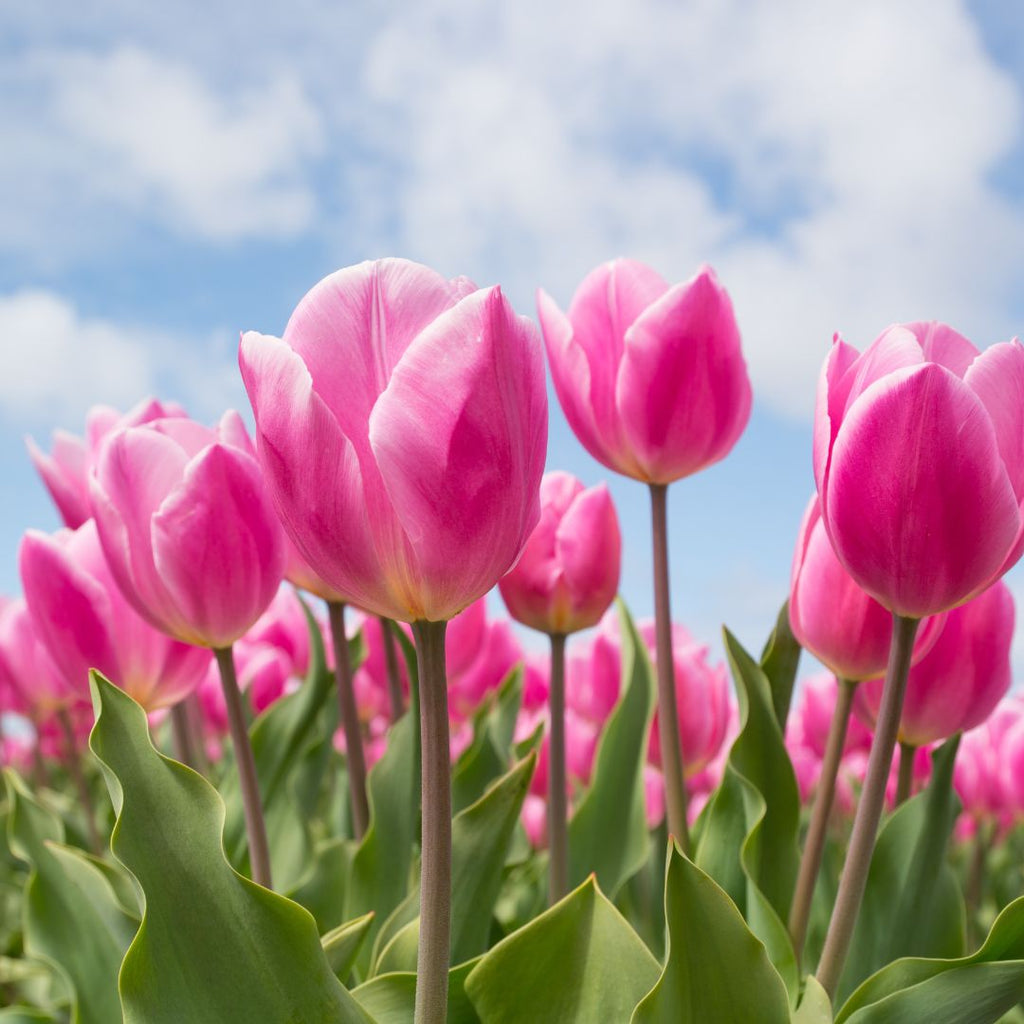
128,133
55,363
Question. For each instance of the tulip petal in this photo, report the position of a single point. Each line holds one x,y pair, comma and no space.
682,389
331,511
919,506
64,473
829,405
941,344
218,547
460,436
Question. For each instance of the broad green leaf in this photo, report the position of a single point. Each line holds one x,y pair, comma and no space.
912,904
577,963
341,944
990,982
213,946
717,970
322,889
779,662
815,1006
608,833
24,1015
487,756
391,998
480,839
73,920
748,835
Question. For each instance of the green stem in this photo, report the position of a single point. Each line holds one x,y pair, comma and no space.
395,695
869,811
74,758
905,779
355,761
668,712
255,827
436,861
814,845
558,840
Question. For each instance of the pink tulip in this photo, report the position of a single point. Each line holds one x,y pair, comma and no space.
85,621
402,422
569,570
843,627
188,528
811,717
650,377
959,682
989,761
27,668
65,471
919,463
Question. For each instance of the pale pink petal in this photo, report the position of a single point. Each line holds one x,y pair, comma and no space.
64,472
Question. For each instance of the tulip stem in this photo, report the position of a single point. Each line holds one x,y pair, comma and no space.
814,845
869,811
668,713
355,761
74,759
181,728
395,694
255,827
905,779
558,840
436,856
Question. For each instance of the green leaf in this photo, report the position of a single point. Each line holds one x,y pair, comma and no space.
979,988
815,1006
717,970
912,903
608,833
213,946
341,945
287,742
748,836
24,1015
779,662
322,889
487,756
577,963
391,998
73,920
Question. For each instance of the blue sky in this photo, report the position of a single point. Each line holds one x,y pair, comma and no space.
173,174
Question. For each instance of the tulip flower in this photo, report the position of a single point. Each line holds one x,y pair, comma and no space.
65,471
85,621
402,424
653,383
919,465
192,538
564,582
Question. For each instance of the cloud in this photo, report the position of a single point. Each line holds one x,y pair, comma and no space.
55,363
127,135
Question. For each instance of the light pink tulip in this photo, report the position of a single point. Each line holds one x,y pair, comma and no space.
989,761
568,573
479,654
847,630
85,621
27,668
811,717
959,682
919,464
188,527
650,376
402,423
65,471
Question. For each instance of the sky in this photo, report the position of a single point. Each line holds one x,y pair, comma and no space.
173,174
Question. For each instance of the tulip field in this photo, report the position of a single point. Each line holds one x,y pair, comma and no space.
275,750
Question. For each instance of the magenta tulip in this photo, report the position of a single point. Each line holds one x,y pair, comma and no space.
847,630
650,376
919,463
568,573
188,528
956,686
85,621
65,471
402,422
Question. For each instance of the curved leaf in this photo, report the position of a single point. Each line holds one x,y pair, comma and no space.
717,970
213,946
391,998
608,833
577,963
780,660
341,944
